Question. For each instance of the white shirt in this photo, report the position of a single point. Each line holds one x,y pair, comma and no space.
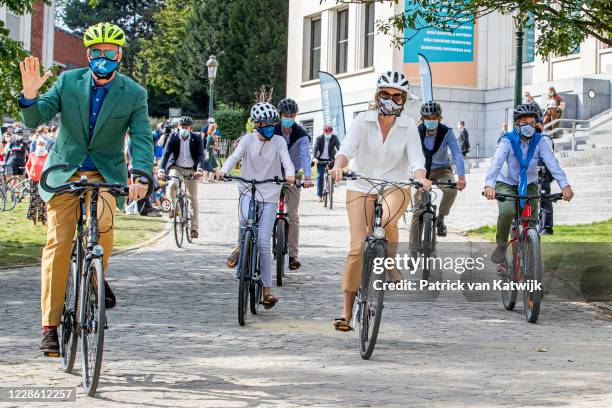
260,161
325,153
185,159
394,160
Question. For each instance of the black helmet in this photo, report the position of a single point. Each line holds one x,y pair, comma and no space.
431,108
526,109
287,105
185,121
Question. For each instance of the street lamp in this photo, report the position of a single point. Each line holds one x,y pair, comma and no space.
212,65
519,22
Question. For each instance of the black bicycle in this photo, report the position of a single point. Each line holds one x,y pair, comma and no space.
182,211
526,263
427,225
84,313
250,290
370,297
328,185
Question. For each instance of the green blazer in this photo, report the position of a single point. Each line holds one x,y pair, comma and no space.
125,107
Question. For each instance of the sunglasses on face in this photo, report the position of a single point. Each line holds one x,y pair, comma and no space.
396,97
96,53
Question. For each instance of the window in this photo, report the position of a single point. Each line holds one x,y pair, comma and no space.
368,45
315,49
341,41
308,126
13,24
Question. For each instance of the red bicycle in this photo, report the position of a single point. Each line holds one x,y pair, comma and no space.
525,266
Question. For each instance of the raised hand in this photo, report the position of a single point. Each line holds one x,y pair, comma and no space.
31,78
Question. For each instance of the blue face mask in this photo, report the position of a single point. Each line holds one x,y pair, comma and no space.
266,131
328,136
287,123
103,68
430,124
527,130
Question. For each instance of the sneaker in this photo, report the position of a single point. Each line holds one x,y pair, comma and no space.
110,301
171,214
441,227
499,254
294,263
50,343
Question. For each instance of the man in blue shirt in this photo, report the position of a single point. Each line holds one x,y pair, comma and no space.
437,141
520,175
298,143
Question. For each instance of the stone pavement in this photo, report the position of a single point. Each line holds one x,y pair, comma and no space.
174,340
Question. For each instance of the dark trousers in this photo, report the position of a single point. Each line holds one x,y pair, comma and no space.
547,207
320,177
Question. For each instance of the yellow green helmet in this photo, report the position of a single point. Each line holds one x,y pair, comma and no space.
104,33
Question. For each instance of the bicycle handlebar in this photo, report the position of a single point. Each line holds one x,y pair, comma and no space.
355,176
502,197
76,187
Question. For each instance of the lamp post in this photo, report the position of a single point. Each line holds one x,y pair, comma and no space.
212,65
519,22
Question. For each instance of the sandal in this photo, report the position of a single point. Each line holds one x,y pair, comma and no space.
343,325
269,301
232,260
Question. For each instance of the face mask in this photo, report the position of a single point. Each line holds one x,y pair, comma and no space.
328,136
527,130
19,138
266,131
102,67
287,123
185,133
525,99
430,124
551,94
388,107
41,150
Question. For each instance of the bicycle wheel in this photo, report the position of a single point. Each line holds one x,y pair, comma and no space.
10,198
532,272
244,263
93,320
255,293
166,206
325,191
331,191
187,223
427,243
370,302
279,250
68,333
2,199
178,222
508,275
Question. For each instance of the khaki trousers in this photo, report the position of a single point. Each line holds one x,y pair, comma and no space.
191,186
360,208
62,213
292,204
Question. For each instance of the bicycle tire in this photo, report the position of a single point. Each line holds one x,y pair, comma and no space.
325,192
93,320
255,293
166,205
532,272
244,263
371,302
2,199
178,222
331,192
68,333
279,250
427,243
512,269
187,220
10,198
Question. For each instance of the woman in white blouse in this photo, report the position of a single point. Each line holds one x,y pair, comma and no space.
383,144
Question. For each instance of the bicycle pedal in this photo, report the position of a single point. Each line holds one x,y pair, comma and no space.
51,353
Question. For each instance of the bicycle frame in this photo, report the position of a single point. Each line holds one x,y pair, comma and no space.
281,216
252,225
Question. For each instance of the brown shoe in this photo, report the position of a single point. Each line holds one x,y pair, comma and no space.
171,214
194,233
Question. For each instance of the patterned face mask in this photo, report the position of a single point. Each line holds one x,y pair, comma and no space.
389,107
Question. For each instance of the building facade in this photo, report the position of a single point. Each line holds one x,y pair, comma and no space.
473,69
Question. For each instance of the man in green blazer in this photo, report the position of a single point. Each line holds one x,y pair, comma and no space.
98,106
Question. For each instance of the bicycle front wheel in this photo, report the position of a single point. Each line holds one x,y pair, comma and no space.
279,250
427,242
244,265
93,321
187,212
330,183
370,301
10,198
68,331
532,273
178,222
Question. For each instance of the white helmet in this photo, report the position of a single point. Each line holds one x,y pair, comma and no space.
393,79
211,121
264,112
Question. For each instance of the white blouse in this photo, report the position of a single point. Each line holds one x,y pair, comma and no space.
261,161
394,160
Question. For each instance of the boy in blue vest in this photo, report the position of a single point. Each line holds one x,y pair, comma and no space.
439,144
520,149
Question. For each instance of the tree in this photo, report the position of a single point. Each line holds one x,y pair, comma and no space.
562,24
134,16
11,52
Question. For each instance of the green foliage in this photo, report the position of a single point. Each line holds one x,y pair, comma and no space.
231,122
562,25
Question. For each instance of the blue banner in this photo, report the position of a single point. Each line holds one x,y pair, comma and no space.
425,78
331,103
440,46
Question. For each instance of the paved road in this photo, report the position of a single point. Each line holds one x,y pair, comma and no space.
174,340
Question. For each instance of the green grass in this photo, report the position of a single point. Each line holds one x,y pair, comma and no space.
595,232
21,243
